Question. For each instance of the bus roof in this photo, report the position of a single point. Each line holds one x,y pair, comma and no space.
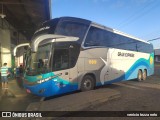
88,22
118,32
84,21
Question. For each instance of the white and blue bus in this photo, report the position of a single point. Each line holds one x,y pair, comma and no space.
69,54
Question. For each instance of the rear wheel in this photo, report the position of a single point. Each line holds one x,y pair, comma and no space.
87,83
139,76
144,74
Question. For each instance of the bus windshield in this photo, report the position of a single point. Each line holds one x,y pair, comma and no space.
65,27
39,62
69,28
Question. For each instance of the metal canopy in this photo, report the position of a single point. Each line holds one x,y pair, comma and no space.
25,15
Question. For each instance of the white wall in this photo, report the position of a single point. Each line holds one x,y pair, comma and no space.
5,47
7,44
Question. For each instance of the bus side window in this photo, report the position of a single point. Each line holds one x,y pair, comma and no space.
93,37
61,59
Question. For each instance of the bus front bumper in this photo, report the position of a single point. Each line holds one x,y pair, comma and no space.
50,88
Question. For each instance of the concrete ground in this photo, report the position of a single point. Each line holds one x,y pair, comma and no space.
75,102
132,96
135,96
15,98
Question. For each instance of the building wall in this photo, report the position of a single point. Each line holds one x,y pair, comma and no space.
157,51
157,55
9,38
157,58
5,47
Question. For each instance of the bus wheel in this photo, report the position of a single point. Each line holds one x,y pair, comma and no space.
139,76
87,83
144,74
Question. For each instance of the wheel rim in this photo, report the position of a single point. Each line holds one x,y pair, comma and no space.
144,75
87,84
139,76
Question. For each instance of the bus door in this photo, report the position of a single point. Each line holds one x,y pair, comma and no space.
64,59
73,72
114,64
61,62
106,71
24,59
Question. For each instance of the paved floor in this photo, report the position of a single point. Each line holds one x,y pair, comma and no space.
135,96
15,98
75,102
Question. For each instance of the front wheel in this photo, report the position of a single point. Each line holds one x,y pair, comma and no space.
139,76
87,83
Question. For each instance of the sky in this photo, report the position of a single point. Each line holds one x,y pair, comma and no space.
139,18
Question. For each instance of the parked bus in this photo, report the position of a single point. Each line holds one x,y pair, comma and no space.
26,54
71,54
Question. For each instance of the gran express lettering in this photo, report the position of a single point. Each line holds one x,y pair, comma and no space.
125,54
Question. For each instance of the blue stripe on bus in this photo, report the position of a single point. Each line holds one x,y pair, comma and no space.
133,71
53,87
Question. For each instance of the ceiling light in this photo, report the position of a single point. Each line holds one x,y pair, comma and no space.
2,16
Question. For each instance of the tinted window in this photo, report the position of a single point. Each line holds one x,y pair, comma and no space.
109,39
143,47
65,27
70,28
100,37
94,37
40,60
46,28
60,59
64,55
